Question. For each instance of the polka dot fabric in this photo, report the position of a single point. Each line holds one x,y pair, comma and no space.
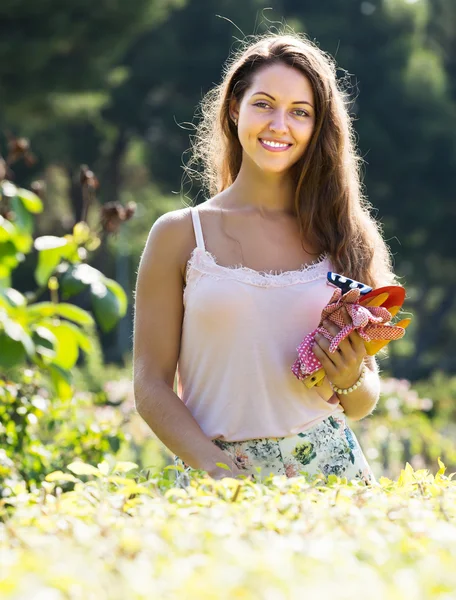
368,321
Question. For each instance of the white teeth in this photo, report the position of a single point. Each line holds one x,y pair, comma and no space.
275,144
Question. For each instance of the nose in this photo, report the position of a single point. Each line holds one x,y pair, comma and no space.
279,122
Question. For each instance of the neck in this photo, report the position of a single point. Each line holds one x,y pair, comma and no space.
267,193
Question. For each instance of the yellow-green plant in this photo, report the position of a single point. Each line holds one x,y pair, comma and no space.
108,532
40,432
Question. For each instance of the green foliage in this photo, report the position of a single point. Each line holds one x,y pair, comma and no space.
112,532
55,55
40,432
51,334
411,424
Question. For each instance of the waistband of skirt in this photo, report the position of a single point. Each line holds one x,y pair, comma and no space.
337,417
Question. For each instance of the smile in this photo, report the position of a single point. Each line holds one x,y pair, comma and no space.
273,146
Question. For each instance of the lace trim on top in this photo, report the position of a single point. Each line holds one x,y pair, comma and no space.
205,262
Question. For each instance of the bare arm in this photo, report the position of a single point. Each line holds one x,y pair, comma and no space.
157,335
362,401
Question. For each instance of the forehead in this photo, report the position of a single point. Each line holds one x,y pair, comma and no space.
282,81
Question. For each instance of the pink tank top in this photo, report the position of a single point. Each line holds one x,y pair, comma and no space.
240,332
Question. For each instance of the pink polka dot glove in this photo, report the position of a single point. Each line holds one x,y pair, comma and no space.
369,321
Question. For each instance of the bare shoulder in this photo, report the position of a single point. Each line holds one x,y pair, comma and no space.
172,236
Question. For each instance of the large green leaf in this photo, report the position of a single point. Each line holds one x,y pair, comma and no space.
42,310
74,313
109,303
31,201
66,347
77,278
82,339
51,251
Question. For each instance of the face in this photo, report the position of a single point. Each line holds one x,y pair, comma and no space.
276,118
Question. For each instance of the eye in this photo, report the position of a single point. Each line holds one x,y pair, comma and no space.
303,112
264,104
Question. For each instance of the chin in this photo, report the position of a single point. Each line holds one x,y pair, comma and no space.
277,170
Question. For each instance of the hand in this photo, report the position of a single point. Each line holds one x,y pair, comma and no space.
344,366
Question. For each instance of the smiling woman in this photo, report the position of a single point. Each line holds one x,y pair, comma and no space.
278,159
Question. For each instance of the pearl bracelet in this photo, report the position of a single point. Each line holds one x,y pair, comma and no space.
353,387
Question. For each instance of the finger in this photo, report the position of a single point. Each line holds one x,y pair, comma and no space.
358,343
320,349
338,359
344,345
345,355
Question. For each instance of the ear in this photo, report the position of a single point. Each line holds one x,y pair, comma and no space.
234,109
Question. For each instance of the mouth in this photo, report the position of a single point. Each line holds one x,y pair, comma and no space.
274,146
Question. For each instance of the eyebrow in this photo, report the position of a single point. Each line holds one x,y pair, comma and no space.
272,98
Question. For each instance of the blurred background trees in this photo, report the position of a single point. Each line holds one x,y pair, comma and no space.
116,87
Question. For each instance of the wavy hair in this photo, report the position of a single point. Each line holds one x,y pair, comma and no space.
332,212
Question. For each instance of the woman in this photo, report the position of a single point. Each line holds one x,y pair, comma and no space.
285,207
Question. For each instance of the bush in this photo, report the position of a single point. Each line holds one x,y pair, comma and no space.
118,534
409,427
40,432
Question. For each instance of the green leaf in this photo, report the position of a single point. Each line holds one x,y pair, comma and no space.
119,293
49,257
9,256
77,278
67,346
125,466
17,333
7,230
81,339
74,313
61,476
223,466
108,303
45,343
23,220
31,201
81,468
12,352
84,341
42,310
13,297
61,380
50,242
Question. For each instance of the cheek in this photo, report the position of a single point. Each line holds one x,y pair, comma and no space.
252,125
306,130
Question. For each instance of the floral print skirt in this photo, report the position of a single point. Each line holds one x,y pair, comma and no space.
328,448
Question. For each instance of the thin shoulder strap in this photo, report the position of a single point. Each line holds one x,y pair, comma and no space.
197,228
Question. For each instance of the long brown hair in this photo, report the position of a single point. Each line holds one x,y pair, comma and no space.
332,212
